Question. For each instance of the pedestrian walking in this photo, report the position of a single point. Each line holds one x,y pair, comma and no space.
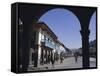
61,57
52,60
76,56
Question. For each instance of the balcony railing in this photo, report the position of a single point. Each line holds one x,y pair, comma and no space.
48,44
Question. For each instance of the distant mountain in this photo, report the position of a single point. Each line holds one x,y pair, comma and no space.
92,48
92,43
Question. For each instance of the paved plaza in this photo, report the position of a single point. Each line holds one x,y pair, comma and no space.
67,64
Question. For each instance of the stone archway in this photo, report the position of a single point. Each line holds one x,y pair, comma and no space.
93,37
31,13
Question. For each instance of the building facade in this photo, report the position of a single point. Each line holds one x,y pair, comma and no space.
45,45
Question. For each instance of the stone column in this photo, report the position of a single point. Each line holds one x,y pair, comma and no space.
85,47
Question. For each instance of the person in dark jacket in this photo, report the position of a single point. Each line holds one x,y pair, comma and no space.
61,57
52,60
76,56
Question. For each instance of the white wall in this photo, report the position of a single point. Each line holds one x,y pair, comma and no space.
39,43
5,38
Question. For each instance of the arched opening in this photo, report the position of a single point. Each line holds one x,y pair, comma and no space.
64,22
92,40
66,26
28,20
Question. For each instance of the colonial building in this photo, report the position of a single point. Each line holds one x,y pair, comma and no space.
44,45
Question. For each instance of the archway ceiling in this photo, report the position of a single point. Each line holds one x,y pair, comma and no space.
31,12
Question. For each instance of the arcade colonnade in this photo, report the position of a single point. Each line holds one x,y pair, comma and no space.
30,14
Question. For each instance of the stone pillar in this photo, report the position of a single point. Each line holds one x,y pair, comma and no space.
26,45
36,57
30,57
39,55
85,47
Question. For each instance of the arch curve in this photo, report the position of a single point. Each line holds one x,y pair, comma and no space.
30,12
92,27
66,20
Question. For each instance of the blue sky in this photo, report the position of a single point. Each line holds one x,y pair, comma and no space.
67,26
92,27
